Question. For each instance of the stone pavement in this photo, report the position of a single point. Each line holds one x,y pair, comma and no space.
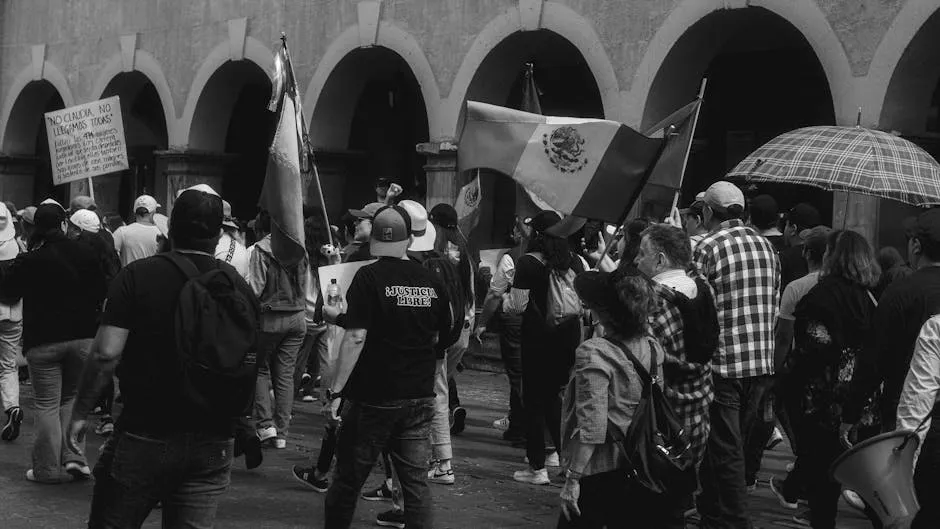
268,497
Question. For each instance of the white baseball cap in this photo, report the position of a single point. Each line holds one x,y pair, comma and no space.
86,220
205,188
424,232
147,202
723,194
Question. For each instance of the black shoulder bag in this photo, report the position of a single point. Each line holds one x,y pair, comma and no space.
656,445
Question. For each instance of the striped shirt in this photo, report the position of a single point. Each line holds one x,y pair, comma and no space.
743,270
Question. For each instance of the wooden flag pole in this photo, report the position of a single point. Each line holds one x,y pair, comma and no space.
688,150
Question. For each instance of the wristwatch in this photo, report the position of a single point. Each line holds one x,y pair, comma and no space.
331,395
572,475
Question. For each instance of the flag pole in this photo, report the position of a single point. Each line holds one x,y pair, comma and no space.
306,153
688,150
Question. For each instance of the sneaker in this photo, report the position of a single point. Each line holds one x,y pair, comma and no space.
854,500
790,467
305,379
775,439
279,444
308,398
391,519
802,518
751,487
105,426
533,477
439,476
11,430
380,494
502,424
267,433
778,492
78,471
459,420
307,476
551,460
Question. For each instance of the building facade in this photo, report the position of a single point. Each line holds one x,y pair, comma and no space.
385,81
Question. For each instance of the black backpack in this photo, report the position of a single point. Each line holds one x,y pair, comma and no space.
699,322
216,334
656,445
449,275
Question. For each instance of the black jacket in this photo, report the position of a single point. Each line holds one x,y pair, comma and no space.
62,286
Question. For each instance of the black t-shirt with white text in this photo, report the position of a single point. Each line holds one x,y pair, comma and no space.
403,308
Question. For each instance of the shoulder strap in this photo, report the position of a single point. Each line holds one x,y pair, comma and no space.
872,298
182,264
537,258
637,365
231,252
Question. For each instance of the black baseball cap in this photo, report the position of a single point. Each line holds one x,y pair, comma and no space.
443,215
383,182
804,216
48,216
542,220
197,214
925,226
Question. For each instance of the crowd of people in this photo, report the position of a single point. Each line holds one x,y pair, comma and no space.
754,325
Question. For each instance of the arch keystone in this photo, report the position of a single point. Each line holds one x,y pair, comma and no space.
530,14
128,52
39,61
369,13
237,34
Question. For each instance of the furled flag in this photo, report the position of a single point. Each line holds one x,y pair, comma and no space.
591,168
666,178
468,205
282,193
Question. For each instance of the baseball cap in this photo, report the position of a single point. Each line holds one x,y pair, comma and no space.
197,214
227,218
444,215
205,188
27,214
542,220
147,202
87,220
803,215
82,202
925,226
425,233
383,182
391,232
763,210
723,194
49,201
10,231
368,211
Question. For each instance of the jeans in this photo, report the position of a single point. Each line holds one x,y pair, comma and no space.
10,333
510,348
282,334
441,448
402,427
927,479
55,370
614,501
314,357
722,502
757,437
186,472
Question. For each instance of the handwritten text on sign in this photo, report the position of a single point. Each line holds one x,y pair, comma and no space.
86,140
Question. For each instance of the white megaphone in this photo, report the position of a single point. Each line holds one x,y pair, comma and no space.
881,471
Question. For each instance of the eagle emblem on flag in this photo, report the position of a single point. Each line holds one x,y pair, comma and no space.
565,149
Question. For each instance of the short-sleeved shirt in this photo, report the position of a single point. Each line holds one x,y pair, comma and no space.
503,276
143,299
794,293
404,308
234,253
136,241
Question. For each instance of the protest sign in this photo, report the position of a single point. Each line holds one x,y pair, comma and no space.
86,140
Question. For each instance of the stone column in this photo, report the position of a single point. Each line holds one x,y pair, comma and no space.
179,169
441,171
17,177
859,213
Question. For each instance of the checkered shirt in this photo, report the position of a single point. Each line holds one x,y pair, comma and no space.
687,385
743,271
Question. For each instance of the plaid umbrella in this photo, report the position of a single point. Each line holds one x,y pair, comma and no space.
852,159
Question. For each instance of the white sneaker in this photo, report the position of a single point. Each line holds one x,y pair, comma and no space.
790,467
532,477
267,433
551,460
280,444
501,424
308,398
775,439
853,499
440,476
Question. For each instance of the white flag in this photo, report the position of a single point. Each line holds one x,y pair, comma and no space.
468,205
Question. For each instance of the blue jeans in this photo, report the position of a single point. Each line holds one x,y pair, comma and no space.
187,472
55,369
722,502
282,334
401,427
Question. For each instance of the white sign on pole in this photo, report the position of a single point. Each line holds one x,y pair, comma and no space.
86,140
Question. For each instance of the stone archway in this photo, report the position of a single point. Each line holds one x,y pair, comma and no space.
764,78
25,169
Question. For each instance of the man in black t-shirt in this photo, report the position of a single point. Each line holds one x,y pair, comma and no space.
162,449
385,372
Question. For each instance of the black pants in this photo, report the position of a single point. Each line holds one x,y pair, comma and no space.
546,366
510,348
927,480
613,501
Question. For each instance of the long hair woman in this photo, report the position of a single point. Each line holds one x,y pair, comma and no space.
547,348
833,323
603,393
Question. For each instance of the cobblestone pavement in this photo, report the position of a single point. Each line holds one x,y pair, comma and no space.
268,497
